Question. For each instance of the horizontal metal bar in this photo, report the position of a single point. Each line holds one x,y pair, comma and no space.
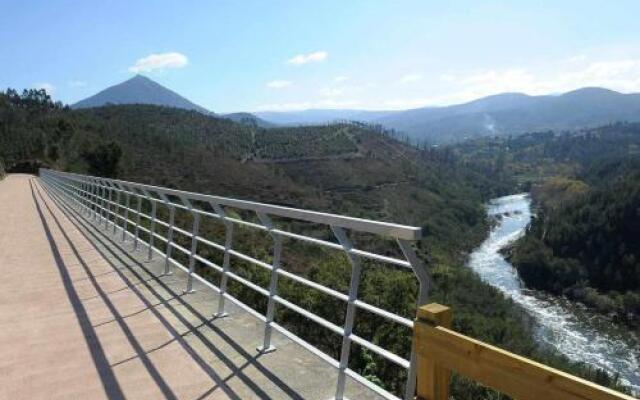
159,236
207,262
210,243
317,286
332,245
182,231
309,315
248,283
250,259
358,224
341,296
383,313
181,248
380,351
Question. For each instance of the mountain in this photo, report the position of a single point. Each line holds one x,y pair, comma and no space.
340,168
247,119
497,115
320,116
514,113
139,90
501,114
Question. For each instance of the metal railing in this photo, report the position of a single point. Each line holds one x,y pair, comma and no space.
94,198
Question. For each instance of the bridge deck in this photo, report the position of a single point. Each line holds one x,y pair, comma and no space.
82,318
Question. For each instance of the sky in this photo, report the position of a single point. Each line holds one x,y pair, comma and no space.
234,55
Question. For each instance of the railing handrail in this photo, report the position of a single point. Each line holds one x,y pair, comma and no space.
441,350
93,197
389,229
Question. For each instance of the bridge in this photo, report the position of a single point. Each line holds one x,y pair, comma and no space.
101,298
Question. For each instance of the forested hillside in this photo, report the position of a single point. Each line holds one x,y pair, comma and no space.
583,242
344,168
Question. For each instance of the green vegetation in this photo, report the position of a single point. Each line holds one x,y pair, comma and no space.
583,242
381,178
517,163
304,142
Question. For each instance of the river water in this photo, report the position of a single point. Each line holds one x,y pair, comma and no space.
560,324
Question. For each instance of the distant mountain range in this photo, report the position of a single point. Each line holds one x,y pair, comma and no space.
501,114
514,113
318,116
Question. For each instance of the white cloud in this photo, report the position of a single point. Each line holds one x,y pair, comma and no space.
331,92
620,75
410,78
279,84
159,61
316,56
46,86
77,83
576,58
340,78
453,87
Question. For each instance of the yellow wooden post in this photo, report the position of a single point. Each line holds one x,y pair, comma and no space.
433,379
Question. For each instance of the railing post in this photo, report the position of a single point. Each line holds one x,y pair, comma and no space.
116,209
137,228
152,226
101,197
108,202
105,204
125,221
98,202
228,240
87,199
194,245
351,309
167,255
83,187
94,200
433,379
273,283
420,271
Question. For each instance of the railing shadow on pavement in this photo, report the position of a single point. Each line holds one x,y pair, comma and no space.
106,249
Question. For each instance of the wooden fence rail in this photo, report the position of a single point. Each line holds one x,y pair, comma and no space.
440,350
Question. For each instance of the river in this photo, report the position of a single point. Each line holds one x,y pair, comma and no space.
570,329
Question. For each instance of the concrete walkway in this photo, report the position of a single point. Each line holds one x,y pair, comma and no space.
81,318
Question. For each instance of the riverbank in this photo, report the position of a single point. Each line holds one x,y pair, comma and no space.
606,305
567,328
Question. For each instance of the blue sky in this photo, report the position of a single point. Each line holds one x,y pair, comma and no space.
284,55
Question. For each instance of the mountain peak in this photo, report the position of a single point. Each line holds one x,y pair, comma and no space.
140,78
139,89
592,91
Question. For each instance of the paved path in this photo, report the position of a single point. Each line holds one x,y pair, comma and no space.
81,318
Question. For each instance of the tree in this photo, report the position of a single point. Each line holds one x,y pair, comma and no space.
103,160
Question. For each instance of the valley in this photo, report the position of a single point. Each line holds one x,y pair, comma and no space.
580,333
443,190
429,200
